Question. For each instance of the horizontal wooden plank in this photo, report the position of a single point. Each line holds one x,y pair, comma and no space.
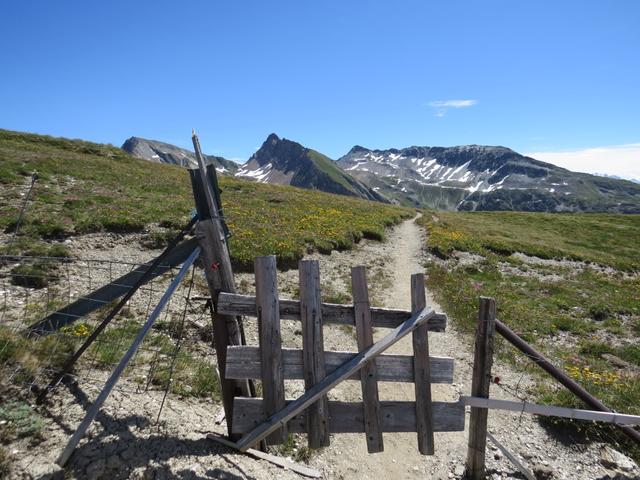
344,371
551,411
236,304
346,417
244,362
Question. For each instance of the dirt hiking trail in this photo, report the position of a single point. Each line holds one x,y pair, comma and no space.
402,255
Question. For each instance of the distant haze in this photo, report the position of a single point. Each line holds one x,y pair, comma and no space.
619,160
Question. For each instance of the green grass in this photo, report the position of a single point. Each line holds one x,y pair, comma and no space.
85,187
542,301
329,167
607,239
19,420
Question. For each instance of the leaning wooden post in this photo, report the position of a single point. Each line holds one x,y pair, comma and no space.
482,361
217,268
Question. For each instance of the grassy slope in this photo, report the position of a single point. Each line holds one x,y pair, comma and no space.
330,167
85,187
574,315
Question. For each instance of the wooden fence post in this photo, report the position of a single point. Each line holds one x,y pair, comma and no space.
313,350
268,313
422,370
369,375
482,361
217,268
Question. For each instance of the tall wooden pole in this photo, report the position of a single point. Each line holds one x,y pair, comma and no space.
217,267
482,361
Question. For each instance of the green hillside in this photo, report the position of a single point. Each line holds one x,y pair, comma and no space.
567,283
85,187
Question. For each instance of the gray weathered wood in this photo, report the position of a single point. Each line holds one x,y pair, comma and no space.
313,350
216,262
552,411
244,362
236,304
331,380
480,381
268,313
344,417
424,415
225,327
279,461
368,374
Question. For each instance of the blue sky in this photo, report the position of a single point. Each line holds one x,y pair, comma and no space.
537,76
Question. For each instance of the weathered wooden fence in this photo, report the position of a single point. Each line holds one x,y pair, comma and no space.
321,370
488,325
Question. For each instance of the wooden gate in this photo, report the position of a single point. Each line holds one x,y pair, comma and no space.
273,416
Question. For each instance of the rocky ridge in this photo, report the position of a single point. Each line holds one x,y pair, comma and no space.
284,162
476,177
161,152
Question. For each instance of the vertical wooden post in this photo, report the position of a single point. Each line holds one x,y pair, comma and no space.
422,370
313,350
482,361
268,313
217,268
369,375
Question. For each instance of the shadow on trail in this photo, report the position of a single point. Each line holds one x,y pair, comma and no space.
114,452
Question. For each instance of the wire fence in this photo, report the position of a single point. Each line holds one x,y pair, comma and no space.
177,356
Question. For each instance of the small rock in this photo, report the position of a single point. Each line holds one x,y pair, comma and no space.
96,469
542,472
497,455
114,462
611,458
128,454
459,470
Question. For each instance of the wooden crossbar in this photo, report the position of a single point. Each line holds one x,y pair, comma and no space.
244,362
236,304
345,371
344,417
548,410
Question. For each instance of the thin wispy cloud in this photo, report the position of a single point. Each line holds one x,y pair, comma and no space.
441,106
452,103
620,160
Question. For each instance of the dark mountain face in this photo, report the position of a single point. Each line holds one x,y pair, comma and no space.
284,162
475,177
161,152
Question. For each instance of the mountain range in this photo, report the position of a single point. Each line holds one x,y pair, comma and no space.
161,152
284,162
469,177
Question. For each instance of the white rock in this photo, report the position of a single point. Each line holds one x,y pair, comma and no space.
613,459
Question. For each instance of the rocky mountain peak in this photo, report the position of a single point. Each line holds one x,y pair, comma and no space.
272,139
358,149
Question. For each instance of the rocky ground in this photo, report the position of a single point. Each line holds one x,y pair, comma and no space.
127,442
